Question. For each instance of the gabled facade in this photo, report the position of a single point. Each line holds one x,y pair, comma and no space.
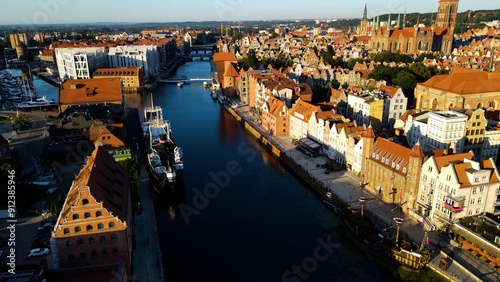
299,118
95,224
275,117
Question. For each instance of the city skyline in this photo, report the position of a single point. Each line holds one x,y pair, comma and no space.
65,12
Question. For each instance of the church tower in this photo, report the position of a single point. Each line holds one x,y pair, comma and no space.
447,13
363,26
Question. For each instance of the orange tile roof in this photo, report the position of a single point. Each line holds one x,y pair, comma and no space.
462,174
446,160
391,152
388,90
96,90
231,70
464,81
224,56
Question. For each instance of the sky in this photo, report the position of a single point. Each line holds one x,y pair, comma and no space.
90,11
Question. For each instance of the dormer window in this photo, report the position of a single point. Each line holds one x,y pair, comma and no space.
383,159
404,170
393,164
397,166
387,162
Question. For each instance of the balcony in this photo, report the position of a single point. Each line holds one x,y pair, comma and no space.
452,208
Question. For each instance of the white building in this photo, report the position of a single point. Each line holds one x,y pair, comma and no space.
80,62
445,129
145,56
394,105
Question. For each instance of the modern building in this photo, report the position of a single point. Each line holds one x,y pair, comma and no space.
366,108
446,129
145,56
95,224
80,62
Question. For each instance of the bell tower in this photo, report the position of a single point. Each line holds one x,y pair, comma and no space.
447,13
363,26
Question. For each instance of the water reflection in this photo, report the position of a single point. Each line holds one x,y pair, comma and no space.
171,198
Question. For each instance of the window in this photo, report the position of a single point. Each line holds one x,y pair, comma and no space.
89,227
476,179
115,251
471,212
102,239
438,196
481,189
80,242
440,185
484,178
474,190
429,169
91,241
114,237
480,200
472,201
453,191
421,197
98,213
446,188
69,244
111,224
78,229
104,253
422,187
437,206
448,177
87,215
76,216
432,181
424,177
478,211
100,226
85,202
66,230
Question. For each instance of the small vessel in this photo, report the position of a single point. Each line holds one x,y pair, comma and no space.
37,103
164,156
180,83
206,84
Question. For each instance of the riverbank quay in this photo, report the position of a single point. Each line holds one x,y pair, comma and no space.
147,259
45,76
346,191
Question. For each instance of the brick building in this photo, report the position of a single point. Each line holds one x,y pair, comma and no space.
131,76
95,224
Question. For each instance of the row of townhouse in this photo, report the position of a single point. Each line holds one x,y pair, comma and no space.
464,130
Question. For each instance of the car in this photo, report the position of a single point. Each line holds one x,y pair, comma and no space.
44,212
38,252
50,191
10,139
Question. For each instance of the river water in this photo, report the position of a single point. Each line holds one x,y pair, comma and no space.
238,214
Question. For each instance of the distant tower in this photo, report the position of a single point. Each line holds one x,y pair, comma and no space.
415,161
368,143
447,13
363,26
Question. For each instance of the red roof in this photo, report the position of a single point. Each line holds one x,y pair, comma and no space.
96,90
224,56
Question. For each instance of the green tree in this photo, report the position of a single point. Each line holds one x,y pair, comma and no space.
405,79
20,119
431,56
421,72
133,168
237,36
274,35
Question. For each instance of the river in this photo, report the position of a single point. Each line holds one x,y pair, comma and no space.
239,214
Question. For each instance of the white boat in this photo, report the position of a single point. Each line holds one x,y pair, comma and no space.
38,103
164,156
180,83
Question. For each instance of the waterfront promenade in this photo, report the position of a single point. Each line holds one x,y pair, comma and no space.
346,186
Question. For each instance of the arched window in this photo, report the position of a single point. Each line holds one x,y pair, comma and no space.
104,253
89,227
100,226
115,251
102,239
78,229
69,244
91,241
87,215
76,216
66,230
111,224
83,256
98,213
114,237
93,254
85,202
80,242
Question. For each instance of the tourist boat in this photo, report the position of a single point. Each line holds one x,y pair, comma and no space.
362,230
37,104
164,157
180,83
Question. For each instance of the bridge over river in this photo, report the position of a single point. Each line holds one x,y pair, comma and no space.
186,80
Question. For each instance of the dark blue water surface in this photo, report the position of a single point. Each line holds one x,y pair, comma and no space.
256,222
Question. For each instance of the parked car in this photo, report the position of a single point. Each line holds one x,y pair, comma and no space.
38,252
50,191
49,225
10,139
45,212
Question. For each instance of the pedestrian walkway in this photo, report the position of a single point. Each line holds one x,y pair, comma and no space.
346,186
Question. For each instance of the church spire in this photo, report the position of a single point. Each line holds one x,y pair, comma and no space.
404,20
398,24
365,14
389,21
